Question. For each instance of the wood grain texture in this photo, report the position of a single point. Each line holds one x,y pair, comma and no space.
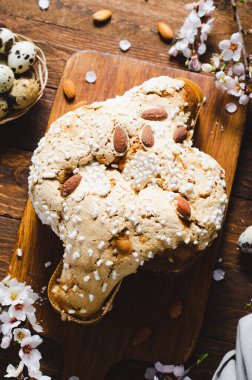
14,167
115,75
66,28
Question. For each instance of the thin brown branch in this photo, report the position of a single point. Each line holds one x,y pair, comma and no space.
241,31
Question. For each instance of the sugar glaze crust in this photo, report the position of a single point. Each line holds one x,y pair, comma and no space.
124,210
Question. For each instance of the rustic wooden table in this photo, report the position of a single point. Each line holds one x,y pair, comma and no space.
66,28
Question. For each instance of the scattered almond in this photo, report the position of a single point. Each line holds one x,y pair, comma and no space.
120,140
164,30
70,185
102,15
183,208
141,335
154,114
123,245
180,135
79,104
147,136
175,309
69,88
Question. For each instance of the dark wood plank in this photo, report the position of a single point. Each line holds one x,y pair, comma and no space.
135,370
8,231
38,243
238,218
243,181
14,167
135,21
51,364
226,304
216,350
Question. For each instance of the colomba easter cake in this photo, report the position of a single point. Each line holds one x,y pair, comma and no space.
120,184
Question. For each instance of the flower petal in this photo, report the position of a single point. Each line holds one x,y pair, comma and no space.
227,54
224,44
202,48
244,99
219,274
235,38
237,54
179,370
14,371
207,68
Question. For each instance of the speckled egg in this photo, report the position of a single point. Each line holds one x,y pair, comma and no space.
7,39
3,108
6,78
245,240
22,56
23,93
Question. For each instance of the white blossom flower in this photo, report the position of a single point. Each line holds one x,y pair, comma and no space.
8,323
21,310
194,63
14,371
20,333
29,353
205,8
11,293
244,99
173,51
206,29
236,88
231,49
182,45
237,69
223,81
215,60
207,68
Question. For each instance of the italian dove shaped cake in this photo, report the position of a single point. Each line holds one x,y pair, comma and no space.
121,185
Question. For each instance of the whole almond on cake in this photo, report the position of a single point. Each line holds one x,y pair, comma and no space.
120,193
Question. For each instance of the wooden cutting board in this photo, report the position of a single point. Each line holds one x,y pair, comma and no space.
144,299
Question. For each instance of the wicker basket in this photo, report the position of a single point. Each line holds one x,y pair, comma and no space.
39,72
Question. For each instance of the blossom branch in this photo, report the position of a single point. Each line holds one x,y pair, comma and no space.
241,31
17,314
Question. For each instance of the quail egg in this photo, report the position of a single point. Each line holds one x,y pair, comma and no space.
23,93
3,108
22,56
7,39
6,78
245,240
